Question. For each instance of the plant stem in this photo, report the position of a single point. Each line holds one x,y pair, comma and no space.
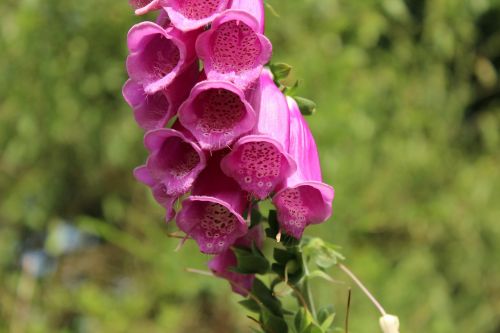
307,290
363,288
309,298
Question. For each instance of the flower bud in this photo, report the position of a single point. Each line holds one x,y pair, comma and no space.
389,324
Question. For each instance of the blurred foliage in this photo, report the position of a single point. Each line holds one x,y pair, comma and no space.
408,126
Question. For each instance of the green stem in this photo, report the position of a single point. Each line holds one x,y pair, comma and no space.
309,298
308,292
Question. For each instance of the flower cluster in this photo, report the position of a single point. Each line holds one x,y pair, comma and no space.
222,138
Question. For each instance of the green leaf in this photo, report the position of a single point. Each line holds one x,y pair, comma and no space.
322,253
306,106
266,297
326,316
313,328
274,226
280,70
255,217
322,275
291,90
302,320
272,323
250,305
328,322
250,261
289,264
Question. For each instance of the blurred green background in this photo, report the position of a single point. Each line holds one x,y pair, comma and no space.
408,126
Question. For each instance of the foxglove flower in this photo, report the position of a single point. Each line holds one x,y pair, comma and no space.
145,6
303,198
189,15
155,110
221,264
217,113
158,55
234,49
212,216
172,167
259,162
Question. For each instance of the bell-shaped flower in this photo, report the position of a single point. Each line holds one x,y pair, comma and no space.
217,113
234,49
145,6
158,55
259,162
303,198
172,167
221,264
155,110
189,15
212,215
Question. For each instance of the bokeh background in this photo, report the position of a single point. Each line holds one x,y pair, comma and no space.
408,127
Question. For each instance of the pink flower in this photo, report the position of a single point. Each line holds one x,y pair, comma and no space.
172,167
158,55
259,162
303,198
212,216
216,113
234,49
221,264
155,110
145,6
189,15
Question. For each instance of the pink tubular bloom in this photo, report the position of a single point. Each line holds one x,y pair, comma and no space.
172,167
212,216
234,49
303,198
189,15
216,113
221,264
145,6
155,110
158,55
259,162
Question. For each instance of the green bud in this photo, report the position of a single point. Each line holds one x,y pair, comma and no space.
280,70
306,106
